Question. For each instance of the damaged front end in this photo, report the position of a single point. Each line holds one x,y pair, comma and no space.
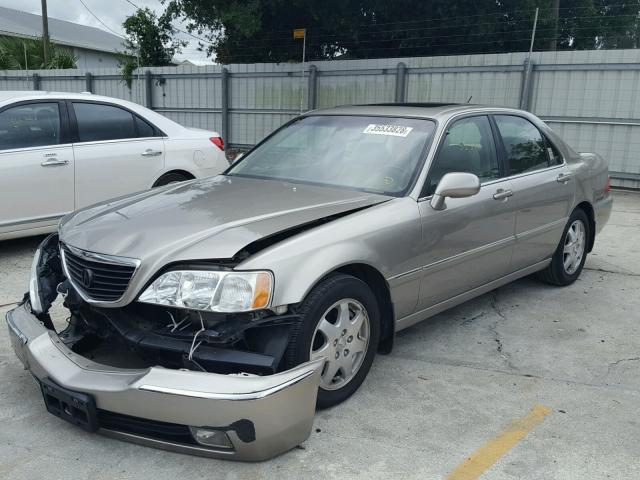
198,382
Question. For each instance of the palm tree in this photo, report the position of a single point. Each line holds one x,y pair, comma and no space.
27,54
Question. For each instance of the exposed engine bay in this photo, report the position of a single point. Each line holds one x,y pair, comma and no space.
141,335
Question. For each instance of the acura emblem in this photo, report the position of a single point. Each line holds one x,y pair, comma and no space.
87,278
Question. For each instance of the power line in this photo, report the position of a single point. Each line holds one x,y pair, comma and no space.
175,28
101,22
358,37
510,21
508,15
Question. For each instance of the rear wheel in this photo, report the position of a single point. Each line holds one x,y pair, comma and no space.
171,177
568,259
339,322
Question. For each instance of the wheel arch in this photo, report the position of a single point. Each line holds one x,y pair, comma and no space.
186,173
587,208
380,288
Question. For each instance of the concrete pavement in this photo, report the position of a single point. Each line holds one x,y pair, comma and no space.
451,384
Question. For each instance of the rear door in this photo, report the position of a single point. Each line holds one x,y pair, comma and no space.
117,152
469,243
543,189
36,165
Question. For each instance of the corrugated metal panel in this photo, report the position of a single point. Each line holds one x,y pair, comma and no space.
591,98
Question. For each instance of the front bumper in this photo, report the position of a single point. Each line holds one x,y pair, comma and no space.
279,408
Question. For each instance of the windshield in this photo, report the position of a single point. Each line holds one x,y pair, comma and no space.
378,154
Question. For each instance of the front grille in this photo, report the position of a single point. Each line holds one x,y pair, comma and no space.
96,276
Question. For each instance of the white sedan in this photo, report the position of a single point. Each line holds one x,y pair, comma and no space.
64,151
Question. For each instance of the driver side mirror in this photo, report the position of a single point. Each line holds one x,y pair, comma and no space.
454,185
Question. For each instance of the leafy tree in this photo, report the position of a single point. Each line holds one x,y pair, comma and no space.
260,30
149,42
28,54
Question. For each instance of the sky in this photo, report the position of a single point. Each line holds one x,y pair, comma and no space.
111,12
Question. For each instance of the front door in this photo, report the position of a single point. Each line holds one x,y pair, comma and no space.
116,153
36,166
543,189
470,242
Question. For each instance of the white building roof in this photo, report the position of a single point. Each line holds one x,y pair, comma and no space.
15,23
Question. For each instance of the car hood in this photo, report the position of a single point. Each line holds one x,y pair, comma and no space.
211,218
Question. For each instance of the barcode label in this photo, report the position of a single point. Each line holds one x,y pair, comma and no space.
393,130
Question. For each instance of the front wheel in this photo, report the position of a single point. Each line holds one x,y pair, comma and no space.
568,259
340,322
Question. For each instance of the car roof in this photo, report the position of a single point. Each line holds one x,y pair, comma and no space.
165,124
17,95
439,111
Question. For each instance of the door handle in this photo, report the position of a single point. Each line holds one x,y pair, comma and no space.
502,194
54,162
564,177
151,153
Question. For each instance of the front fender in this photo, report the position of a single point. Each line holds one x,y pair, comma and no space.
385,237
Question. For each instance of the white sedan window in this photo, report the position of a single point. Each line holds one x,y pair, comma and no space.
30,125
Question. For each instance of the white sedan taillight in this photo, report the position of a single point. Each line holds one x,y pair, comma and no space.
218,142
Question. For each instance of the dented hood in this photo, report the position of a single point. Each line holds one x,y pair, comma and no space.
212,218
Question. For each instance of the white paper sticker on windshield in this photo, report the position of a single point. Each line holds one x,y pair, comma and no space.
394,130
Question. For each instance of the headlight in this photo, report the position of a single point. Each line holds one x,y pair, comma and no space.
213,291
34,285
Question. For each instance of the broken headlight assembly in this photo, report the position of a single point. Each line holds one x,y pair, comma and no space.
211,290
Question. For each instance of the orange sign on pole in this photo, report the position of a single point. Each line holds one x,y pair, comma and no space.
299,33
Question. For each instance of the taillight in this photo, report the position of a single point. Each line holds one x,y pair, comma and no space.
607,185
218,142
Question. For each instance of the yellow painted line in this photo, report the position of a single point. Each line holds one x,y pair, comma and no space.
489,453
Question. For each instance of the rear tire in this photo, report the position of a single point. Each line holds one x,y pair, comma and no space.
171,177
568,260
340,321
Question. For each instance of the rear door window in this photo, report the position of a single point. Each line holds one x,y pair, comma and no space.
525,148
30,125
98,122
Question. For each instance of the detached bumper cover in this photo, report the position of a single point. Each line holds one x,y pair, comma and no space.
277,410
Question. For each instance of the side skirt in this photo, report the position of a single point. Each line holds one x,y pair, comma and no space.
417,317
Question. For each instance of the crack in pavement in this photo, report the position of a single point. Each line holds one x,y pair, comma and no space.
469,321
618,362
604,270
550,378
493,328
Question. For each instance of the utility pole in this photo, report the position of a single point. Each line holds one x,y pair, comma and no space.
555,12
533,34
301,33
45,31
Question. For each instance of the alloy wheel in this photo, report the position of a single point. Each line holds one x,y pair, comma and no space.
574,246
342,338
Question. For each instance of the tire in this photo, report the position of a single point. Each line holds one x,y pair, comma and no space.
337,293
171,177
557,273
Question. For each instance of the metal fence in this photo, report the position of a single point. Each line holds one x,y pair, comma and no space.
590,98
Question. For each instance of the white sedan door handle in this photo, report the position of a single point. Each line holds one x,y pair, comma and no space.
502,194
151,153
54,162
564,177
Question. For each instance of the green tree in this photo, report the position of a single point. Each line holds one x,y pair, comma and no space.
149,42
260,30
27,54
